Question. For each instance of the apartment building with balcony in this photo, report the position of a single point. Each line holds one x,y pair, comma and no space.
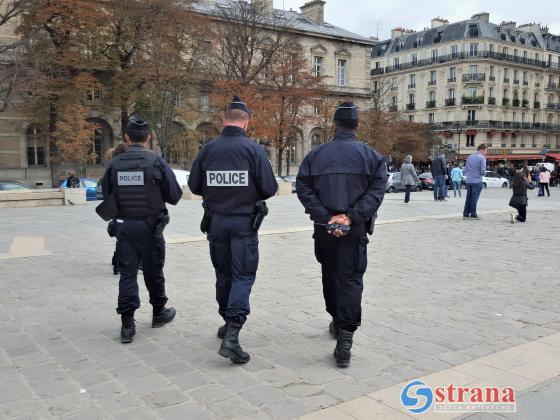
477,82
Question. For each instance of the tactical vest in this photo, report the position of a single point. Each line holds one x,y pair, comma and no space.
136,184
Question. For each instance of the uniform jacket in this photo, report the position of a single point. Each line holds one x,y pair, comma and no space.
343,176
171,192
232,173
408,174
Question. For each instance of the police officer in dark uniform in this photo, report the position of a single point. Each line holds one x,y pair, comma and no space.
140,182
233,175
342,182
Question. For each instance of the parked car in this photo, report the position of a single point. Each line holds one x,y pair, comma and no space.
13,186
394,183
292,179
87,184
427,181
99,190
491,180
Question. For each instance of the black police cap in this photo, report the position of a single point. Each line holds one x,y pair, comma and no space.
138,124
346,111
237,103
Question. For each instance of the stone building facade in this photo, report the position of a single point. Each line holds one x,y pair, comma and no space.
343,57
477,82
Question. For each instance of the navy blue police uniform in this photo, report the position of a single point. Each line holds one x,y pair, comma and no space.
141,182
342,177
233,173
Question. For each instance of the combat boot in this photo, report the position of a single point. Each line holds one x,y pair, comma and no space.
343,346
222,330
128,329
162,316
230,348
334,330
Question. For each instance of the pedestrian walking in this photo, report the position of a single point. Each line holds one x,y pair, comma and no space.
409,177
342,183
456,178
475,169
544,180
72,181
234,176
519,200
137,184
439,174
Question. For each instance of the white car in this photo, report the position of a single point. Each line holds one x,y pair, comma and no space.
491,180
182,176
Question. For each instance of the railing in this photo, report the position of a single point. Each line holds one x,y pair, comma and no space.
505,101
552,86
450,102
430,104
555,107
504,125
410,107
392,108
491,101
394,88
432,82
537,85
492,78
452,80
525,103
477,77
525,83
506,80
515,102
492,55
472,100
537,105
516,82
412,86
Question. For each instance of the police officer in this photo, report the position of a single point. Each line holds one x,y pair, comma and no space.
140,182
233,174
342,182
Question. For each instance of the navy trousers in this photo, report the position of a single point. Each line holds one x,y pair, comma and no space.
343,263
234,250
137,246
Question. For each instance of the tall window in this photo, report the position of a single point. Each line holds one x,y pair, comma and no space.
414,58
491,48
470,141
318,66
342,71
411,118
473,49
433,76
97,146
318,107
451,93
432,96
431,118
491,92
525,76
396,61
434,55
454,51
473,69
93,95
472,92
291,150
35,147
316,140
411,98
492,72
471,115
412,80
452,73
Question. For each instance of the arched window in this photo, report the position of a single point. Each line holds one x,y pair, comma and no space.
316,140
97,146
36,146
291,151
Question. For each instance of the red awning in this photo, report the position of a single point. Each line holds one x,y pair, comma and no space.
447,134
491,133
555,156
513,157
471,132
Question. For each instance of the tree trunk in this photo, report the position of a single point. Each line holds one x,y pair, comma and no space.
279,162
124,118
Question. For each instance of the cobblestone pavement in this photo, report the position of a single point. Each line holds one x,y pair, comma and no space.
439,291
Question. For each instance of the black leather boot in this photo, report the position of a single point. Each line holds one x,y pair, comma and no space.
343,346
162,316
230,348
222,330
334,330
128,329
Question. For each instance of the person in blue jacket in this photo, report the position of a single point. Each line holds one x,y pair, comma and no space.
342,182
234,176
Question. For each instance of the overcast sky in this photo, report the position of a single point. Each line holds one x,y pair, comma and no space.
361,16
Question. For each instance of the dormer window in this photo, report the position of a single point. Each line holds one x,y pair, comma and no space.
473,30
437,38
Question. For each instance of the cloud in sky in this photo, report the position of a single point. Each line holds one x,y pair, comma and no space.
362,16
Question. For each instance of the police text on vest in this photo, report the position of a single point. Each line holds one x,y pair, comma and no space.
227,178
130,178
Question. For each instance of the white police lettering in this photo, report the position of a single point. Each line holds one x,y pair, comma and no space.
227,178
130,178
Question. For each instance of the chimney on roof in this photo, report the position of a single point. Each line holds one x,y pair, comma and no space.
266,6
438,22
314,10
508,25
398,32
481,17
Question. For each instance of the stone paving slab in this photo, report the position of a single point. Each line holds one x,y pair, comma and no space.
60,356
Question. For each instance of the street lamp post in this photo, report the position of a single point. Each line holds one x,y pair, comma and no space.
459,131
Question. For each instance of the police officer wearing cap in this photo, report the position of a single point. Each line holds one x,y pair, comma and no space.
140,182
233,174
342,182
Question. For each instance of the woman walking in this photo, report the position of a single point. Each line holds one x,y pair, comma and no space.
544,180
409,178
456,178
521,182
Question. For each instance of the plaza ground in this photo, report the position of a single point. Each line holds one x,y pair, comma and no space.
445,299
